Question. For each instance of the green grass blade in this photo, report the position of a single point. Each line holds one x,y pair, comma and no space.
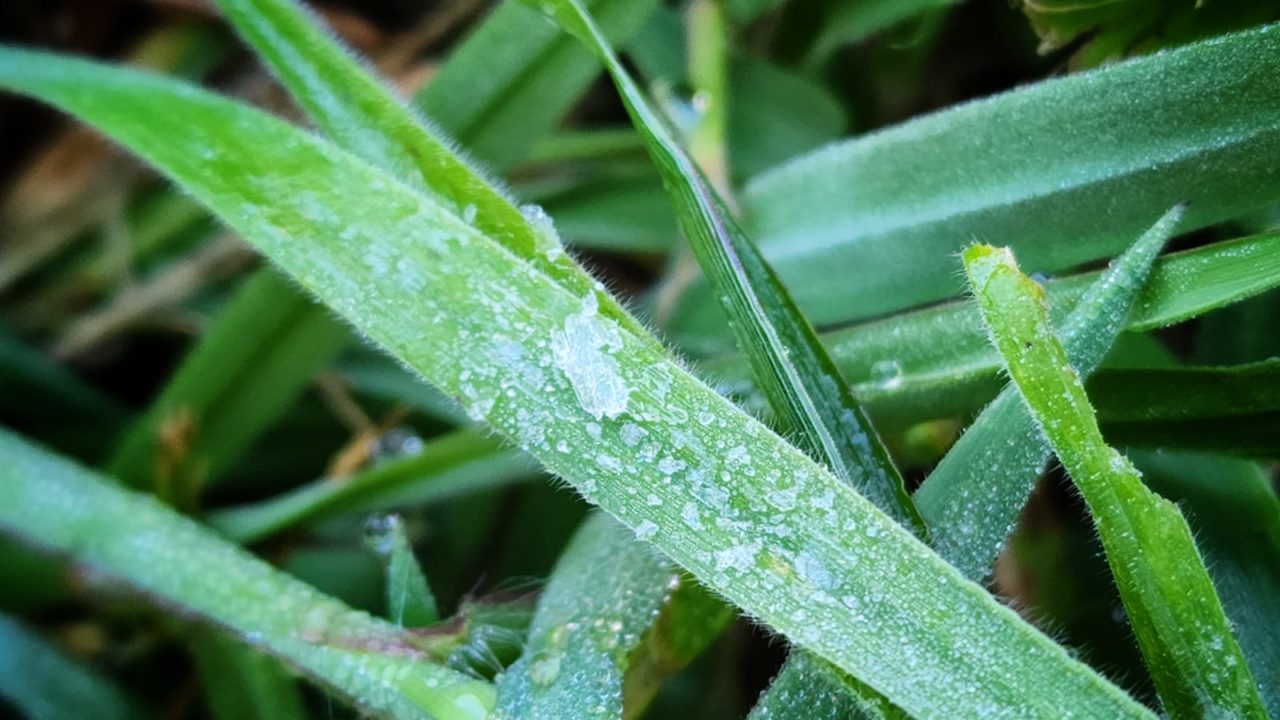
807,688
599,603
1233,510
240,682
1177,618
588,399
511,81
42,683
973,498
233,387
67,509
460,463
870,226
691,619
1228,409
410,602
240,378
359,114
934,362
806,392
41,396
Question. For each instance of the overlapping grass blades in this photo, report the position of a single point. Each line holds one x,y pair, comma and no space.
868,226
808,396
878,589
67,509
972,499
1180,626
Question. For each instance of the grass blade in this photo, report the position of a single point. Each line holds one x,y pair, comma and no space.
1235,516
513,80
460,463
600,602
936,362
806,392
234,390
240,378
1228,409
44,684
972,500
870,226
587,398
1194,659
59,506
241,683
808,688
409,599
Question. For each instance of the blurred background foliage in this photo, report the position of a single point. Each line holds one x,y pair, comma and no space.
109,278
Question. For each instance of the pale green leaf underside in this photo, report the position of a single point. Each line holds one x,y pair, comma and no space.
1176,616
442,296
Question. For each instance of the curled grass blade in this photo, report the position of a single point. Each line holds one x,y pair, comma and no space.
870,225
805,390
587,398
1193,657
57,505
973,498
462,462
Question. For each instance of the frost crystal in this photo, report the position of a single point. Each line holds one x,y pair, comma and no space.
582,352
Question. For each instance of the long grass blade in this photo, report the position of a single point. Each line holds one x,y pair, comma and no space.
870,225
511,81
230,388
937,362
464,462
1186,639
67,509
359,114
974,497
589,399
805,390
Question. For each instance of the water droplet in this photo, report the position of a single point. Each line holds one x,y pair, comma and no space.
397,442
646,530
583,353
545,669
887,374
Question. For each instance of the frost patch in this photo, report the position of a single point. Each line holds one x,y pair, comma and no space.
582,352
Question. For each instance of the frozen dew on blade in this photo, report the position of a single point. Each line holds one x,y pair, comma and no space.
583,352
